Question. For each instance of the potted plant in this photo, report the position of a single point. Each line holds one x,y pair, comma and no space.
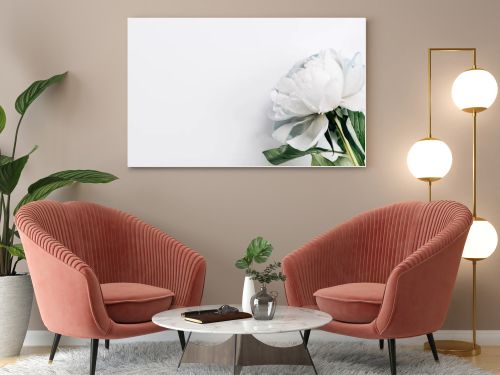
16,291
259,250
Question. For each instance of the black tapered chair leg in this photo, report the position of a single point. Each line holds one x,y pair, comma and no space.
55,344
182,339
392,355
432,344
307,333
381,344
94,346
106,344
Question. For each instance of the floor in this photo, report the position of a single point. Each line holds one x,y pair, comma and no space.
488,360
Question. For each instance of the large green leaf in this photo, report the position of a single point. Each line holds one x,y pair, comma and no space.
43,187
42,193
3,119
342,139
4,159
85,176
242,263
259,250
358,123
10,172
15,250
319,160
29,95
285,153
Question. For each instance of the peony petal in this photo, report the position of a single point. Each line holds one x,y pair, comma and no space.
311,134
280,114
286,85
330,155
282,131
354,75
313,84
332,94
355,103
289,106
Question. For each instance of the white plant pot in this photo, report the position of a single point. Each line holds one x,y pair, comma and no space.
248,292
16,298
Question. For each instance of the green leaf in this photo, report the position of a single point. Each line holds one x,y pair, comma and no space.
259,250
285,153
86,176
358,123
15,250
42,193
4,159
10,172
43,187
319,160
29,95
341,112
353,140
3,119
242,264
344,142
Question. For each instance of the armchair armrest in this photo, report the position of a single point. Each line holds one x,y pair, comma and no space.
419,289
68,292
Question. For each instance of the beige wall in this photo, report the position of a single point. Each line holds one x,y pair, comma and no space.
83,124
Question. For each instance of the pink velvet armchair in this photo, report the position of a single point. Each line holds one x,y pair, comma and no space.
385,274
99,273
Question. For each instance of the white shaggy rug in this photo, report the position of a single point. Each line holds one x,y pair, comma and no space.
162,357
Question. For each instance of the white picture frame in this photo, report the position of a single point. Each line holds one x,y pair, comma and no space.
199,88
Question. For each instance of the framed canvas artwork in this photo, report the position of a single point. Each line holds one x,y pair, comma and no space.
246,92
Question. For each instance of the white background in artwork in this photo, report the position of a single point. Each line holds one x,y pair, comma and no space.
198,89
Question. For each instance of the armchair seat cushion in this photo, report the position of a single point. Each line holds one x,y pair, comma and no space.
133,302
351,303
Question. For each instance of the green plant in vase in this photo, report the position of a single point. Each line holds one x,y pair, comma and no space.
16,292
258,251
271,273
262,305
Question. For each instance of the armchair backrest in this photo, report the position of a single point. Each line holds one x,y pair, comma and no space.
92,232
386,236
379,241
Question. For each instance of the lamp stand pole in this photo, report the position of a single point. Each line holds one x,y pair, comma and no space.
474,307
456,347
429,180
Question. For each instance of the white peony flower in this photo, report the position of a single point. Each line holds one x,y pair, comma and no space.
312,88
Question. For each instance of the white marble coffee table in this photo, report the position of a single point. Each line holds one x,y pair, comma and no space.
242,348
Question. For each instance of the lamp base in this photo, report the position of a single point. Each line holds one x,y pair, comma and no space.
456,348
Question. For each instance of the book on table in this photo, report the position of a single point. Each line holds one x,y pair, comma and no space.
213,316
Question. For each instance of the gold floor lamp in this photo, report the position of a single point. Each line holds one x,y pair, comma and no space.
430,159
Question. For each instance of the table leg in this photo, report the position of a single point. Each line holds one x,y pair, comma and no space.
246,350
236,366
184,350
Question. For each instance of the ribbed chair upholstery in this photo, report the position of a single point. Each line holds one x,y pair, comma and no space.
79,252
385,274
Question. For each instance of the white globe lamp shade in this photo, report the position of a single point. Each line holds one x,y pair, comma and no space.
429,159
481,241
474,90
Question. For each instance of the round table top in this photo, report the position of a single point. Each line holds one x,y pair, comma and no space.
286,319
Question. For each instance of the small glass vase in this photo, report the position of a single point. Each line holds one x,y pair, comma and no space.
263,304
